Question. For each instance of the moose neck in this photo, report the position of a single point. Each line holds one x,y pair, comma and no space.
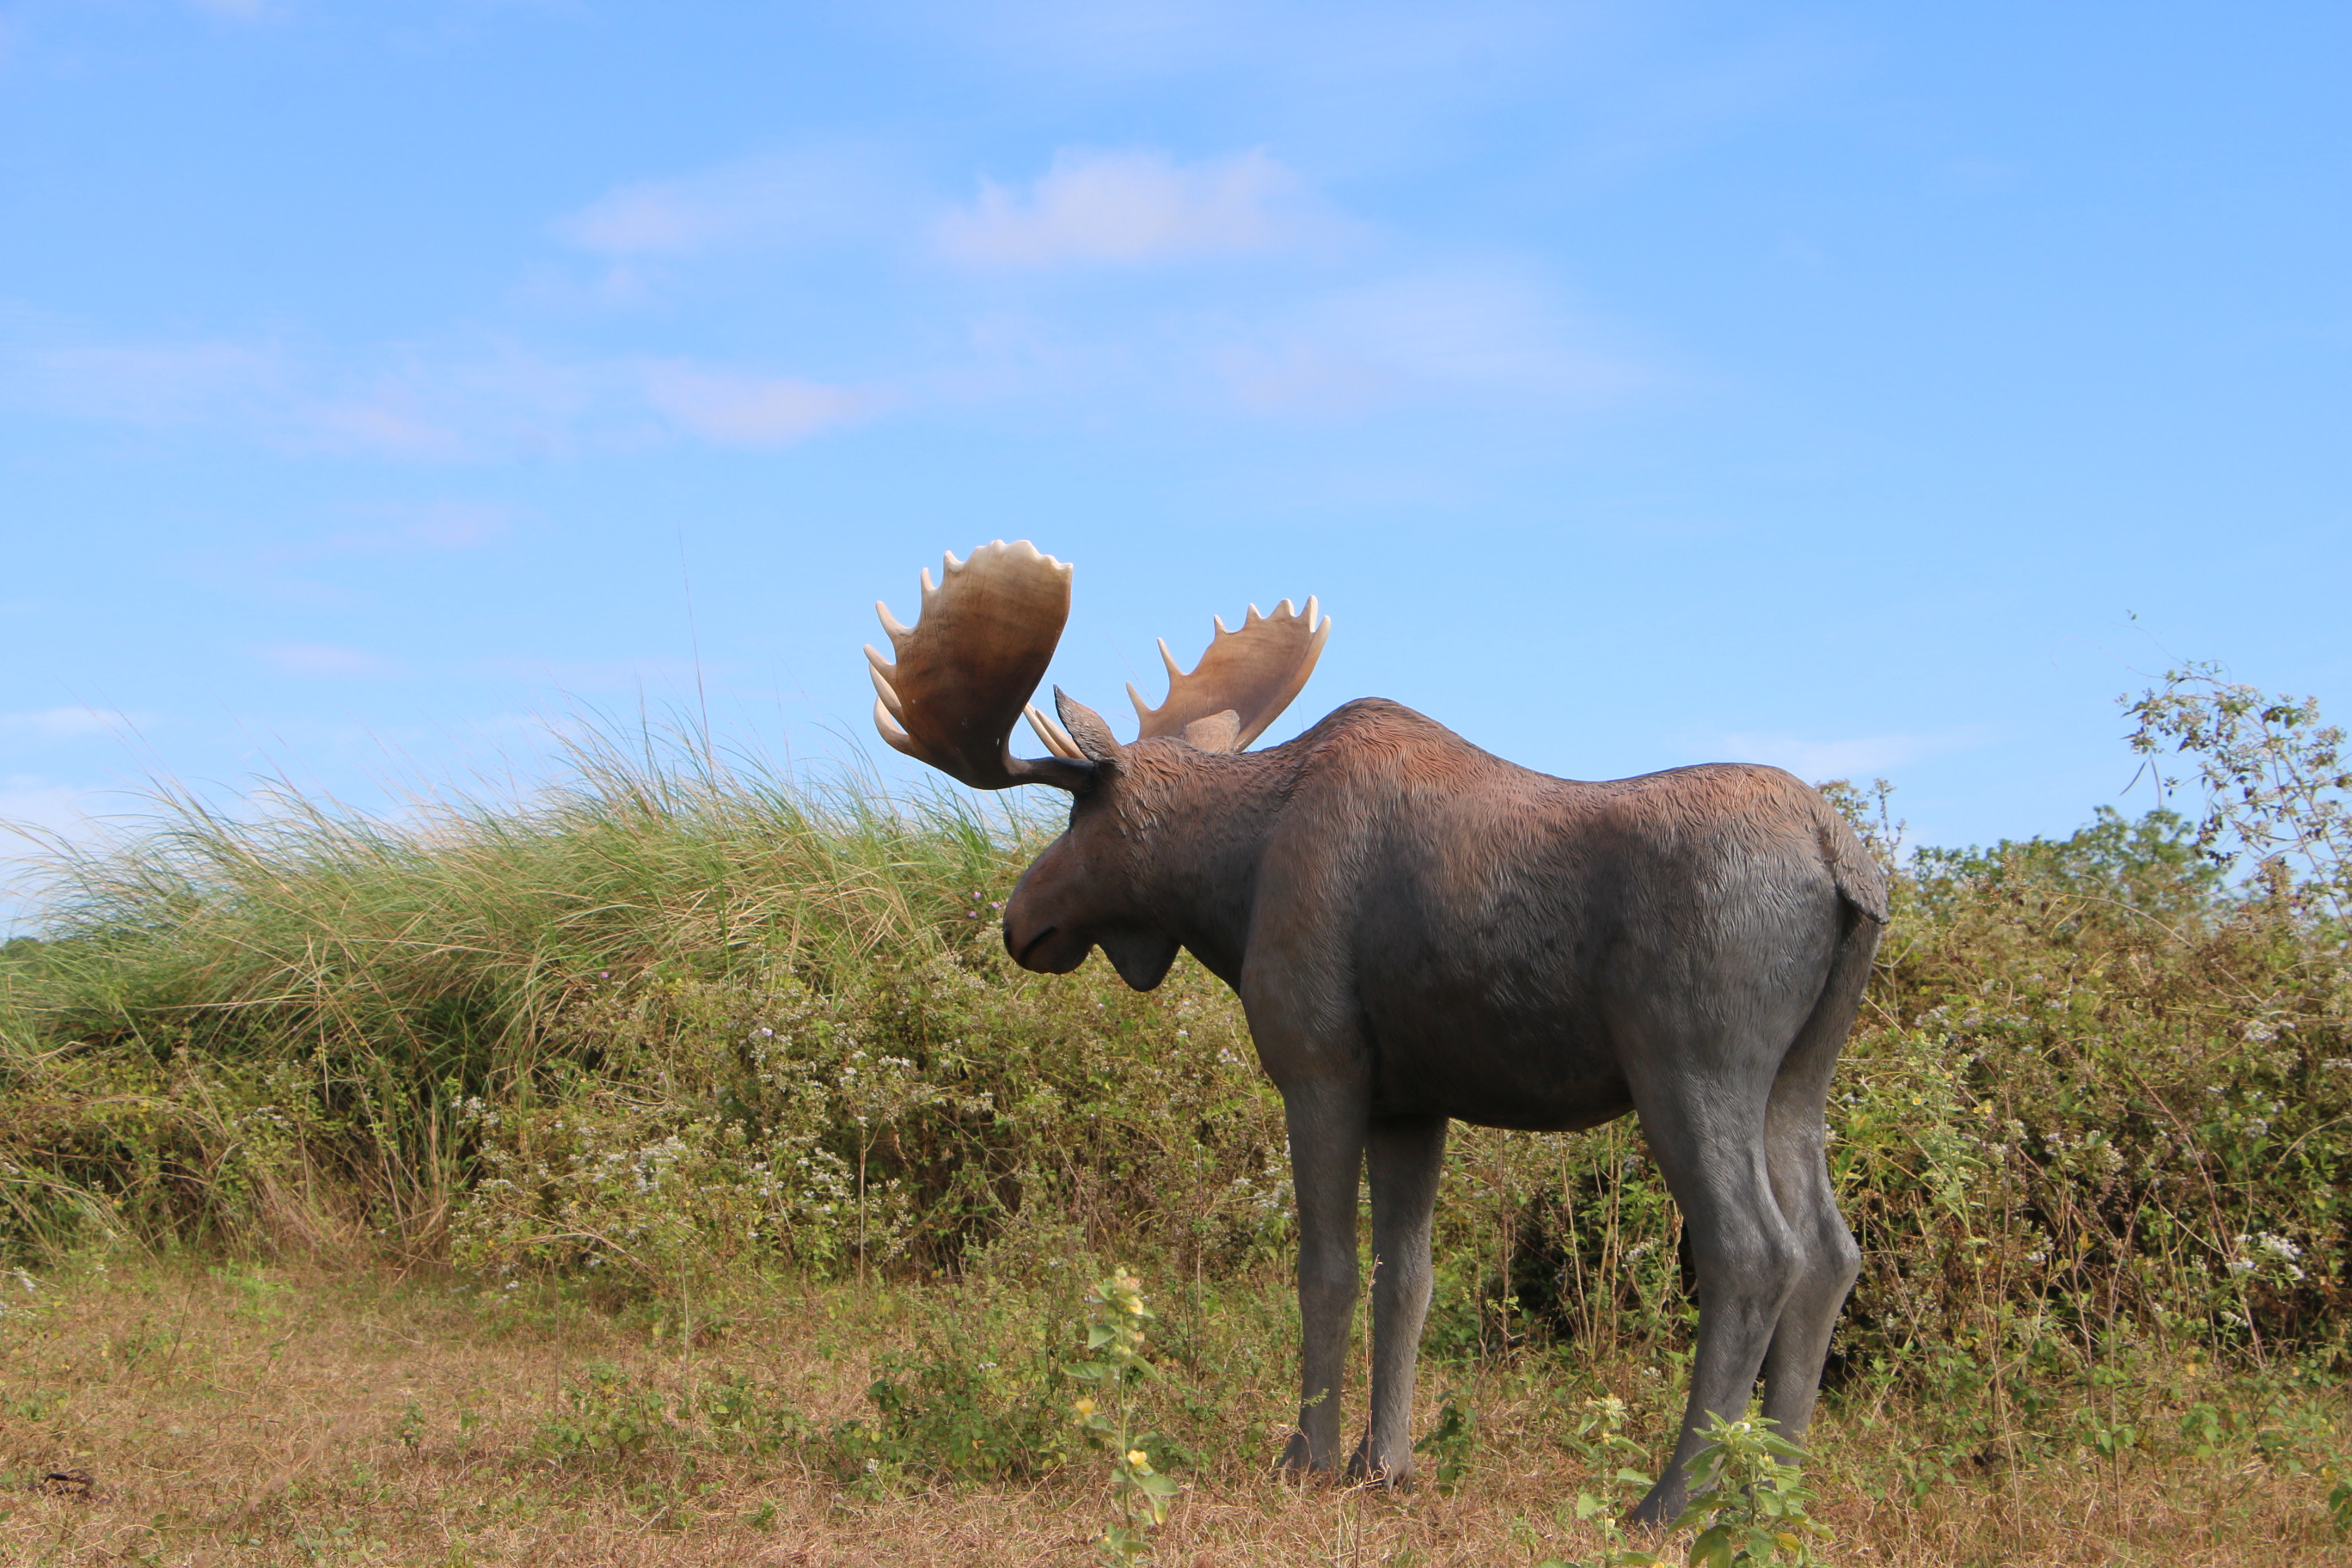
1203,837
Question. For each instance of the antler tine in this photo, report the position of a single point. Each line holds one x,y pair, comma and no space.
1047,729
1252,673
965,670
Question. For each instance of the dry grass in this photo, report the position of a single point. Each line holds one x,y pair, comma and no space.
230,1415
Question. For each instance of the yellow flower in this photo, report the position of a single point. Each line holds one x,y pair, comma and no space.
1138,1461
1085,1408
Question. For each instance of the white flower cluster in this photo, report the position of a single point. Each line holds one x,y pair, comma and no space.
2285,1255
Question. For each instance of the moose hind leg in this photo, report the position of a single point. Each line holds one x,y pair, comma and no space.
1796,1150
1326,1156
1404,1156
1710,1149
1801,1184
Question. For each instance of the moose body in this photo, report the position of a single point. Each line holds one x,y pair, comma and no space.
1419,931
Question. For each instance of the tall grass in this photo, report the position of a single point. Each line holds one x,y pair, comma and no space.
374,974
667,1022
451,938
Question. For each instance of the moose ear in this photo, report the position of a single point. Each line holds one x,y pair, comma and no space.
1086,727
1218,732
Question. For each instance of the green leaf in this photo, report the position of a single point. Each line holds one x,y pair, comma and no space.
1712,1548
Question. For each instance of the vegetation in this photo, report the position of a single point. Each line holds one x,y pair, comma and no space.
675,1034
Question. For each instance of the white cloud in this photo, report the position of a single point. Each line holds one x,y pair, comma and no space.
400,530
38,816
214,384
50,810
323,659
769,202
452,401
1490,329
382,428
436,525
159,384
739,410
1134,206
66,723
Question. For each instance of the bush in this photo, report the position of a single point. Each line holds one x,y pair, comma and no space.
668,1022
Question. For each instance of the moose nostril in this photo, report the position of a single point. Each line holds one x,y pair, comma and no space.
1029,946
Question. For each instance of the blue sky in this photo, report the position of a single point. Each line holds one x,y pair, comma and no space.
1829,385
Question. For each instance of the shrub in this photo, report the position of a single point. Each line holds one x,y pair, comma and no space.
667,1023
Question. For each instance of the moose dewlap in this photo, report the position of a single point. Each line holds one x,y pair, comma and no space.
1419,931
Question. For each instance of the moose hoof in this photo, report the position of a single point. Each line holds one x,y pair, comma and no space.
1299,1459
1658,1509
1364,1470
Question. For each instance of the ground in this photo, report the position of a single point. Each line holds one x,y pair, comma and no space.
196,1412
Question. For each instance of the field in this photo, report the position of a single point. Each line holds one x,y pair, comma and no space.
233,1414
667,1166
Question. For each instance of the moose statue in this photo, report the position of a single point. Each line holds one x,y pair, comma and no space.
1419,931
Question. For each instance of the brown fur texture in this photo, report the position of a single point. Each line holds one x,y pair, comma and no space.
1420,931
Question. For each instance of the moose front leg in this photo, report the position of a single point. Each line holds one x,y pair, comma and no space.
1403,1157
1327,1156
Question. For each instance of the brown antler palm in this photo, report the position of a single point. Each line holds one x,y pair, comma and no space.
1251,674
965,671
966,666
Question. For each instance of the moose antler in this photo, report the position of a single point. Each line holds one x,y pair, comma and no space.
965,670
1251,675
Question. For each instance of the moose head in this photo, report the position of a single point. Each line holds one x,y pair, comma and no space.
962,678
1419,931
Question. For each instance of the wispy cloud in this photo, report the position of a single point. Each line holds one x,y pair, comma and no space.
1133,206
65,723
383,428
1479,328
39,815
47,808
47,366
154,384
770,202
324,659
453,402
741,410
397,529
